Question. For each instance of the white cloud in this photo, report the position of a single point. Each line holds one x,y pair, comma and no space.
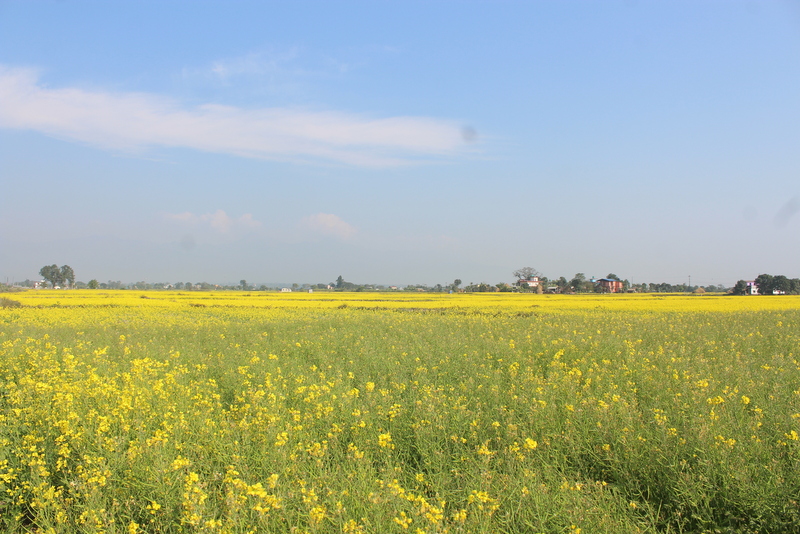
329,224
135,121
254,63
219,221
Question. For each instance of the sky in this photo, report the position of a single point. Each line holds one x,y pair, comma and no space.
400,142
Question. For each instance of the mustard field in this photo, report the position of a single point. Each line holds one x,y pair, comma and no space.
237,412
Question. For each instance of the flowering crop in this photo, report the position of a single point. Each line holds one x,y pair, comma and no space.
234,412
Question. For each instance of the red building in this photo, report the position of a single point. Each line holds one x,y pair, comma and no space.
609,285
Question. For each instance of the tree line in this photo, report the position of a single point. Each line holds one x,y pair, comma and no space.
768,284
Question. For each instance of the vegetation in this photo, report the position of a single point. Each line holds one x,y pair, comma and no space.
9,289
58,276
358,412
526,273
9,303
768,284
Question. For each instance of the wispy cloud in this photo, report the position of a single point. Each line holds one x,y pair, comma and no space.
218,221
255,64
136,121
329,225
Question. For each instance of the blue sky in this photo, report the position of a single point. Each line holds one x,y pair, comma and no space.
399,142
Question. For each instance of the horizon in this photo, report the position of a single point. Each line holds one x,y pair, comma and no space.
256,285
415,143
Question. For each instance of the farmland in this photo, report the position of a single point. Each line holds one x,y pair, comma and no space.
126,411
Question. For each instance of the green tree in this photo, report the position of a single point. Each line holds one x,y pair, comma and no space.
68,275
52,274
612,276
578,282
740,288
243,284
794,286
781,283
764,282
93,284
456,284
339,282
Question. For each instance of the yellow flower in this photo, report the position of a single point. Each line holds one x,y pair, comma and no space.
404,521
317,514
385,441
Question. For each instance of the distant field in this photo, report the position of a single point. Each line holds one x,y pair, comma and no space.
126,411
656,302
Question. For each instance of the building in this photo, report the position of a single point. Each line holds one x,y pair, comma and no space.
609,285
532,282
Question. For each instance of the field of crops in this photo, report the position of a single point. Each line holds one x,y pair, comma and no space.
327,412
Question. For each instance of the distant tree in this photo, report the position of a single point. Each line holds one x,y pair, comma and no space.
781,283
93,284
68,275
339,282
794,286
456,283
578,281
764,282
46,273
52,274
503,287
526,273
562,283
612,276
740,288
243,284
